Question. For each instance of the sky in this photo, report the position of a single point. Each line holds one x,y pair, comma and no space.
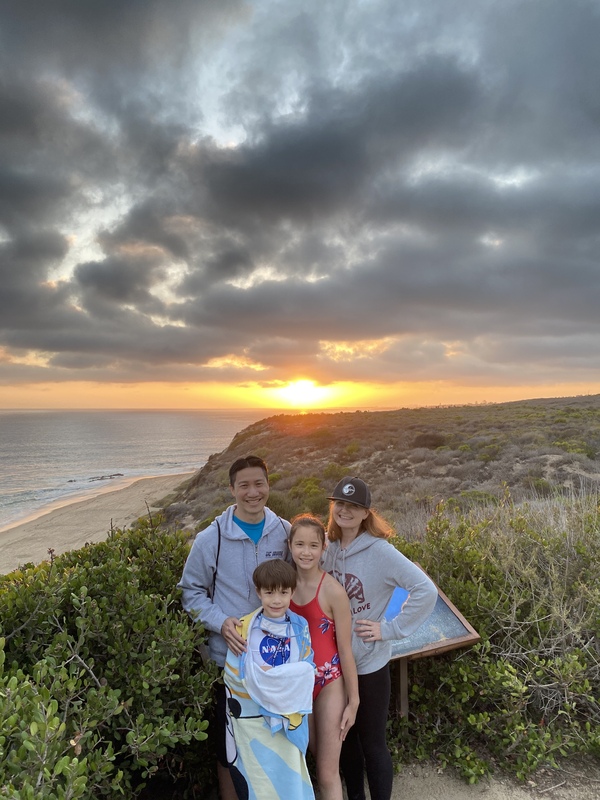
214,203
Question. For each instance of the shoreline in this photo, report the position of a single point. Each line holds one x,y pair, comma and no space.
78,521
115,484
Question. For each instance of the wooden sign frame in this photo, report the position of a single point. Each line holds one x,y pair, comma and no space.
435,647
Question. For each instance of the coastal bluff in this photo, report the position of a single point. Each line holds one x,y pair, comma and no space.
413,458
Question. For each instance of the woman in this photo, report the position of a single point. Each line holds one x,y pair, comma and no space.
370,568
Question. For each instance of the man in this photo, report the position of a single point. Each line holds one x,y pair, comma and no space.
217,586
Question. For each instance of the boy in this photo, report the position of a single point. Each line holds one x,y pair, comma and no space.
269,693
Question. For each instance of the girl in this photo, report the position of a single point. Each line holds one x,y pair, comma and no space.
370,568
324,604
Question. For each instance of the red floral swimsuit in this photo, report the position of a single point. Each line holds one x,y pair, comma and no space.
322,637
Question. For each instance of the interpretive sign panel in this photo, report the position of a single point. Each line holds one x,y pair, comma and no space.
445,629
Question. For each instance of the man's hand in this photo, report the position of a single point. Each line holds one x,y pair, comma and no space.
235,642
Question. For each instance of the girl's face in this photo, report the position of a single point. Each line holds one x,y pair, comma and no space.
348,515
306,547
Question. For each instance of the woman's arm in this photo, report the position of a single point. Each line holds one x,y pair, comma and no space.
421,600
338,602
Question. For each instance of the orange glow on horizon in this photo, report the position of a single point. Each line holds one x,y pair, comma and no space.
298,394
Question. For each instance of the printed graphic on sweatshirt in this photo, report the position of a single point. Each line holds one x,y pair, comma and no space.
275,554
355,591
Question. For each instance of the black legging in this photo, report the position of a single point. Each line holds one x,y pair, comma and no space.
366,744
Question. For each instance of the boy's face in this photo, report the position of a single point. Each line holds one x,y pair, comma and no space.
275,602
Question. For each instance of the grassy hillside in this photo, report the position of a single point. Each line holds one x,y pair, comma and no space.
412,458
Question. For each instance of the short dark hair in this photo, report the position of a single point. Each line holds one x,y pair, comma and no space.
244,463
274,574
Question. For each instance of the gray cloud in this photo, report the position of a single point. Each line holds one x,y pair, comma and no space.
261,191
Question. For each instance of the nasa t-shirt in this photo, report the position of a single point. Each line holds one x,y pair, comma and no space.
271,642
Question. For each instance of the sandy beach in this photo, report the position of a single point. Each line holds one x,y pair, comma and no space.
89,520
72,525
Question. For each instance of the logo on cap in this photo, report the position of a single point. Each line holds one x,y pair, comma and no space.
349,489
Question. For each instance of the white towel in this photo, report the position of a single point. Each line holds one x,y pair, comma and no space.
285,689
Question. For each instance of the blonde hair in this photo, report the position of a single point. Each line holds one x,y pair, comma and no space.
373,524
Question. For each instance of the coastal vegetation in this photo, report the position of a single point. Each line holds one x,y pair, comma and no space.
412,458
102,684
104,690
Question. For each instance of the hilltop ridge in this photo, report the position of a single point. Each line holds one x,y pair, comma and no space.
412,458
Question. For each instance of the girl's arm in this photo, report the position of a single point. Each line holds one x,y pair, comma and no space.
337,599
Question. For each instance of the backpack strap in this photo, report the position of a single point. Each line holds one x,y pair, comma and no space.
214,580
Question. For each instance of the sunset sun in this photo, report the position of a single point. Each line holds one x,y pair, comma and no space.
304,393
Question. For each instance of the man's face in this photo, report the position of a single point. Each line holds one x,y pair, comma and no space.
250,492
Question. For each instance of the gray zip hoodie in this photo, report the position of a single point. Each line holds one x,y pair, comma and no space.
238,558
370,569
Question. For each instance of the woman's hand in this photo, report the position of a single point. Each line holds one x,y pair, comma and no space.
367,630
348,719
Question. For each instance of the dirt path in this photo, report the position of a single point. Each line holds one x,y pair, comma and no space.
424,782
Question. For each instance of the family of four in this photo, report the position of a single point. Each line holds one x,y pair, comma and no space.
296,621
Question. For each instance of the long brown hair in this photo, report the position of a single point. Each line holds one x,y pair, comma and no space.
309,521
373,524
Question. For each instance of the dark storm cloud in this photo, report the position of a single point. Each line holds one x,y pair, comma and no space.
107,33
26,200
121,281
259,191
324,162
26,300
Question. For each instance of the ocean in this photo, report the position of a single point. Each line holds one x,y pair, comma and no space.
48,458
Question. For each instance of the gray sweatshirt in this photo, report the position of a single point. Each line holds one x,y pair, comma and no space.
370,569
238,558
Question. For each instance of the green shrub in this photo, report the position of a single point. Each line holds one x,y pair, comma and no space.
470,497
306,495
334,472
576,446
527,579
41,755
539,486
280,504
108,667
430,440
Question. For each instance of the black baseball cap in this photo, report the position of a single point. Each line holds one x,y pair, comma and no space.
352,490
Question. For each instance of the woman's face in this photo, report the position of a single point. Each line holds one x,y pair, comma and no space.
348,515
